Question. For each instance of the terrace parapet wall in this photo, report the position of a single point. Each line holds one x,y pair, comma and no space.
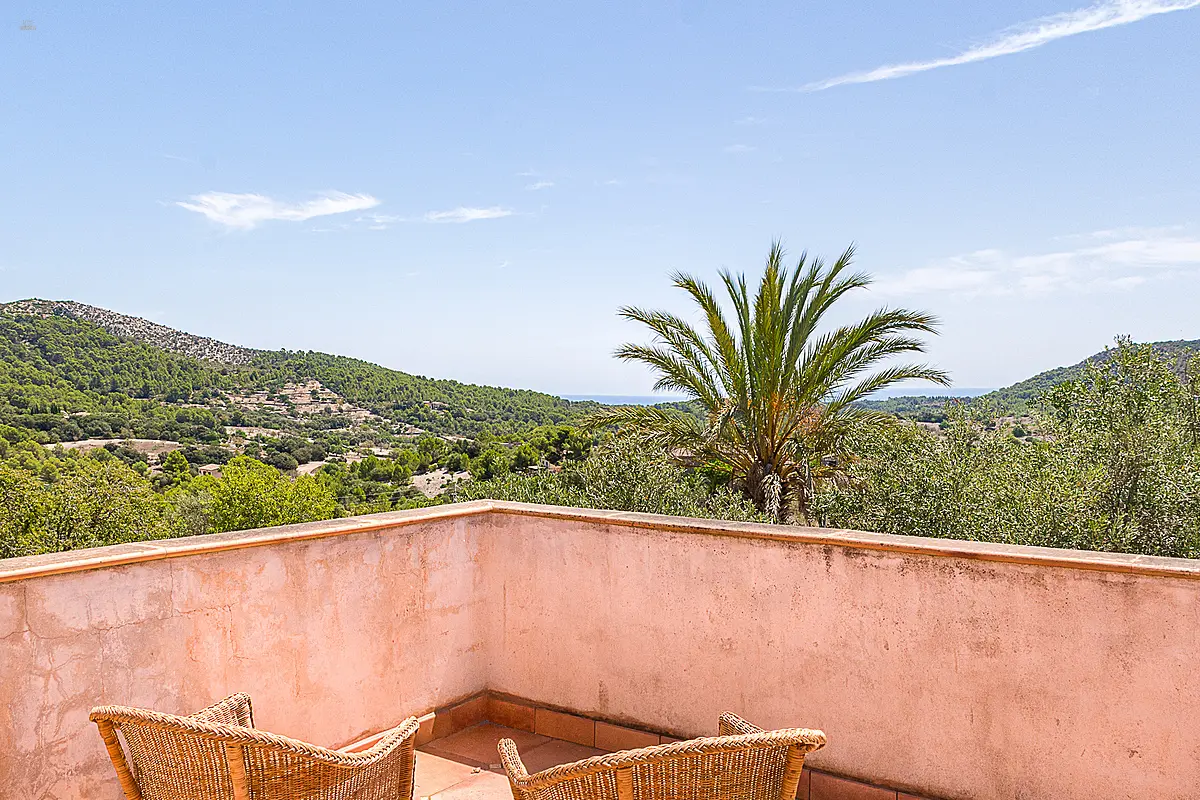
940,668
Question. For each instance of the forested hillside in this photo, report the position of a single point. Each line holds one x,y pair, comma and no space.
63,380
438,406
114,429
67,378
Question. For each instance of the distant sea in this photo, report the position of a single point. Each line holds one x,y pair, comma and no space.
931,391
624,399
649,400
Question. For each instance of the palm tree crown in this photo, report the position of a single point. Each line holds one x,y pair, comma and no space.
776,393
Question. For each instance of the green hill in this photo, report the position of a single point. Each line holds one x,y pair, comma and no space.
69,371
437,406
1016,400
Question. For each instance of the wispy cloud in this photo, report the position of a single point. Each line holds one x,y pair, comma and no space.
378,222
382,222
1118,264
1017,39
1129,232
246,211
462,214
539,185
738,148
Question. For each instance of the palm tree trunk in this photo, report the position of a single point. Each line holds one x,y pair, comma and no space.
780,501
766,490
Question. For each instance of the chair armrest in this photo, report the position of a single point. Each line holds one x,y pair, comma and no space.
511,760
732,725
385,770
400,739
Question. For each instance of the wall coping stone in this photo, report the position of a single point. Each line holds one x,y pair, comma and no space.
16,569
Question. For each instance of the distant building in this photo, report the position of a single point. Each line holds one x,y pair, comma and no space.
210,469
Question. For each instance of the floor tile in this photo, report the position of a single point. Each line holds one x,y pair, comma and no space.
477,744
555,752
483,785
434,773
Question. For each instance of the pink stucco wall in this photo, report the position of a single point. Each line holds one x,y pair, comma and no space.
332,637
955,669
945,669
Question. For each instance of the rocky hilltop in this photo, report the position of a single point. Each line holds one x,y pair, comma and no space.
142,330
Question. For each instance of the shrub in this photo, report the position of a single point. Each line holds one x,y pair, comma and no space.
624,475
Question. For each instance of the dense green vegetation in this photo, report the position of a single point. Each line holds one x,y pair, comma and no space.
63,501
1107,458
1018,398
49,504
922,408
623,473
53,499
63,380
1117,467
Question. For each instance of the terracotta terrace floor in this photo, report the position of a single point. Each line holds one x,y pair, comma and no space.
466,766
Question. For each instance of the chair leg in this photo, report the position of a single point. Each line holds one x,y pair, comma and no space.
791,773
117,756
624,783
237,771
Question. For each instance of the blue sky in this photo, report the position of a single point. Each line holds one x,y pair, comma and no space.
470,191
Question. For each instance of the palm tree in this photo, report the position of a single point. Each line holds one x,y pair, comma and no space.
777,395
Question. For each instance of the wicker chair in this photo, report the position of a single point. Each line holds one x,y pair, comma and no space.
742,763
216,754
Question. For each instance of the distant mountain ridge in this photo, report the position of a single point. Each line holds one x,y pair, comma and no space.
138,329
1178,351
71,371
1015,399
450,407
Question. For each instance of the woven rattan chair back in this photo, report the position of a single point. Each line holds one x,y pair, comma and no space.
742,763
217,754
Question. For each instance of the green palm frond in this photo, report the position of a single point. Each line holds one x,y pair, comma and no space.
777,391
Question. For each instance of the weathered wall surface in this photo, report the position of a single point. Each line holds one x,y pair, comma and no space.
957,669
331,637
955,676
